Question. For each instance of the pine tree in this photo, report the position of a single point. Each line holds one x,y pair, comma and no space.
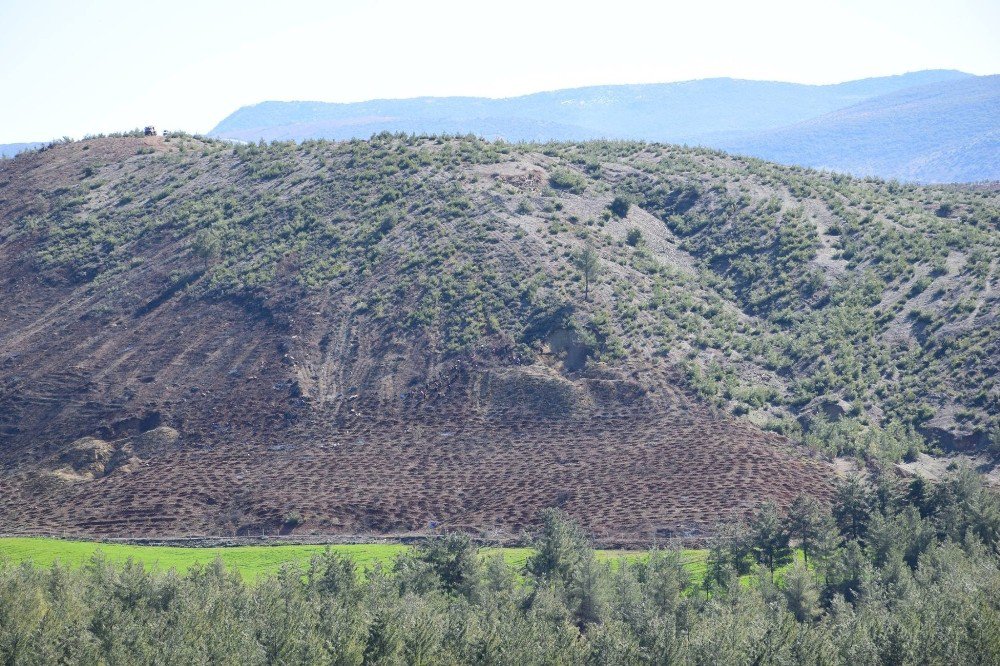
770,539
587,595
206,246
801,593
812,526
730,554
588,263
852,508
453,558
561,547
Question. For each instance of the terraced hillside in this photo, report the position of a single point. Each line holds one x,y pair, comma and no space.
378,336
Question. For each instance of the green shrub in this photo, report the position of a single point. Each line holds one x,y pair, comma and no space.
619,206
564,179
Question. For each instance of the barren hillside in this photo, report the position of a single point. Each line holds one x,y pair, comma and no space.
377,336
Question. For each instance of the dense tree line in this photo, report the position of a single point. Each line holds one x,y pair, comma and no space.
887,574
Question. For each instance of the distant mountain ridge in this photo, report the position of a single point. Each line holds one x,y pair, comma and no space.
12,149
947,131
693,109
710,112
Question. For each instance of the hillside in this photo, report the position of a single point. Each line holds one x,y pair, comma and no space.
931,126
359,337
946,132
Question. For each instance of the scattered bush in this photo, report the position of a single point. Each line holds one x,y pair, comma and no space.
619,206
564,179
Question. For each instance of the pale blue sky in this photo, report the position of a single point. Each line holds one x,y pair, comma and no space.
71,68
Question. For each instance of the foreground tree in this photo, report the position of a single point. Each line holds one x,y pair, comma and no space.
454,559
770,538
812,526
853,506
801,592
562,547
730,555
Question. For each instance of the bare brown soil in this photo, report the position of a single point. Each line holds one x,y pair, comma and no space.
629,473
473,447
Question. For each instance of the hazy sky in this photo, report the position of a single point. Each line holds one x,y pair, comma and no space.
77,67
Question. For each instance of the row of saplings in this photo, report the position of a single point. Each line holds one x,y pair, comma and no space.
896,574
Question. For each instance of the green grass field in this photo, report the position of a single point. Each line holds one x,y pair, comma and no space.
256,561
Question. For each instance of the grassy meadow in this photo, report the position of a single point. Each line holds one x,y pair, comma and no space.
254,562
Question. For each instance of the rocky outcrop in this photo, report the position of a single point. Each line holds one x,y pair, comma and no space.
90,458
